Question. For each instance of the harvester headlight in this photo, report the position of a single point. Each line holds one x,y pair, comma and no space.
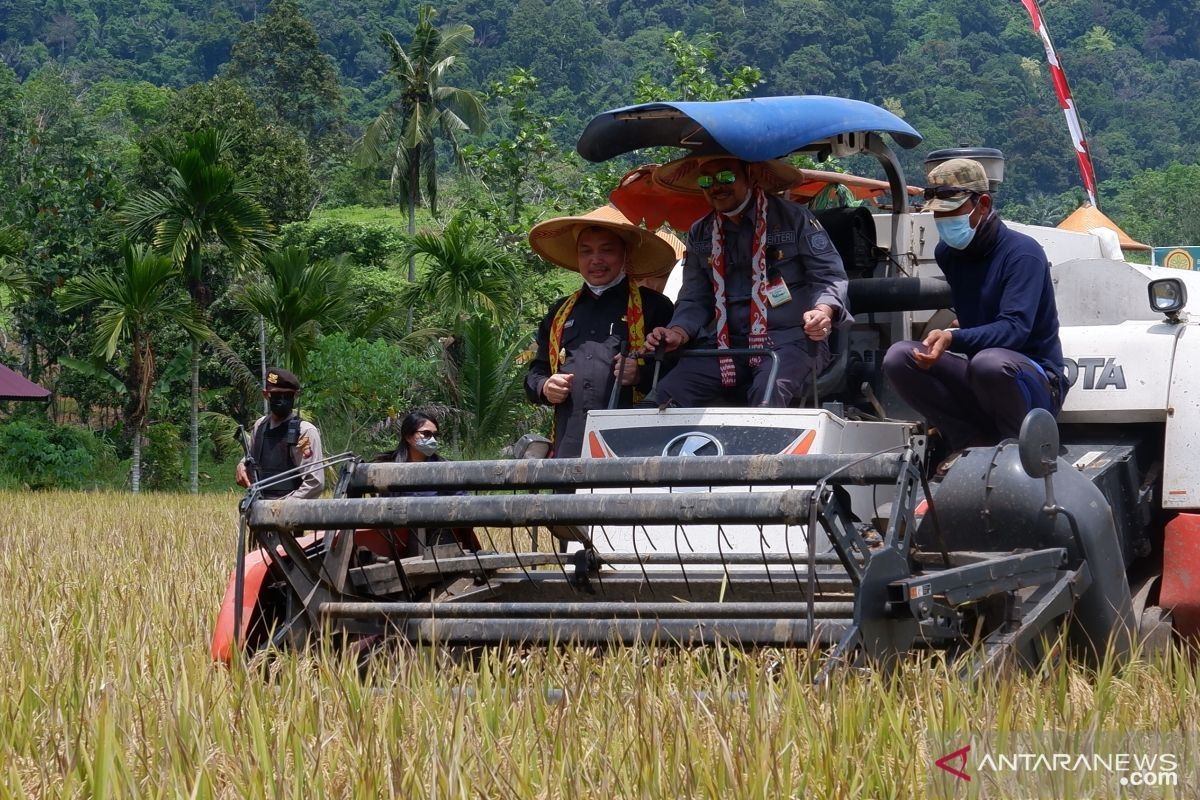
1167,296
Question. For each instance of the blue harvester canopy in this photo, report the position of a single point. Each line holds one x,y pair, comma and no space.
755,129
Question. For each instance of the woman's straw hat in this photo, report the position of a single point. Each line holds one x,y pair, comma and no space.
680,175
648,253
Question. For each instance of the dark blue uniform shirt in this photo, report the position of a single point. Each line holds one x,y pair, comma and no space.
1003,295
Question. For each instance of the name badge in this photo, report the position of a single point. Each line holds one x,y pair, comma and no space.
778,293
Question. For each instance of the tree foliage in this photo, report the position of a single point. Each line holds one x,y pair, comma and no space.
278,57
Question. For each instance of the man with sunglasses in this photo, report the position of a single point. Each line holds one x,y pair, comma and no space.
976,382
760,272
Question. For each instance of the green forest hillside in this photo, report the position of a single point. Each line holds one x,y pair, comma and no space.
960,72
392,271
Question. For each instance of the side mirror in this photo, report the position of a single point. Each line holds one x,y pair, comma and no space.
1037,444
529,446
1167,296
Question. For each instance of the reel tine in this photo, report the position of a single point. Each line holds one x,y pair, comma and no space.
721,552
682,569
512,538
604,532
558,560
649,538
638,557
482,571
762,548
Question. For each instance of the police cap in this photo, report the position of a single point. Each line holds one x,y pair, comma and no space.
280,380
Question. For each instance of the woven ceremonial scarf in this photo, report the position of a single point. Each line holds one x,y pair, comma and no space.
758,294
634,321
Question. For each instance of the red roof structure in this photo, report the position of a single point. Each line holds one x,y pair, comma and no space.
14,386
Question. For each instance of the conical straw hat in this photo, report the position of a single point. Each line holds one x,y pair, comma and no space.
648,253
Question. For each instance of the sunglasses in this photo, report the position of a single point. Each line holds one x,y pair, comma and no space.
947,192
725,176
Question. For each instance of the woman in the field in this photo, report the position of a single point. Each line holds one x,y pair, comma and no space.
419,443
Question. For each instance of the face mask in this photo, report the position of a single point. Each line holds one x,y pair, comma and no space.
956,232
600,289
426,447
281,404
742,207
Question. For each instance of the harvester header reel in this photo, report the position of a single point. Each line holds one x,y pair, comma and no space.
639,550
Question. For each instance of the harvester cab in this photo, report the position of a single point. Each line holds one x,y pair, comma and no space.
785,527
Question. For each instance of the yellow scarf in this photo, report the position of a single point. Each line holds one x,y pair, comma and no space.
634,321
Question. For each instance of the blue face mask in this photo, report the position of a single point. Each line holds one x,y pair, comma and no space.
956,231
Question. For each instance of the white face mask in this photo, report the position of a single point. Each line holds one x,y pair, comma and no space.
601,289
740,208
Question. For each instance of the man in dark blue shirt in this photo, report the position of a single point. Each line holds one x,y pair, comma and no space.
975,383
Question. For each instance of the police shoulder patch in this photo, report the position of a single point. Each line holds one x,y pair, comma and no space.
818,241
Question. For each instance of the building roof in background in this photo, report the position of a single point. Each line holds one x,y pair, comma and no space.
14,386
1087,216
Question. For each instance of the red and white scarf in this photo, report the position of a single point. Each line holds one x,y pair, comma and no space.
758,295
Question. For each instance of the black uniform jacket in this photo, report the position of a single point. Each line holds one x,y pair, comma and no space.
594,333
799,251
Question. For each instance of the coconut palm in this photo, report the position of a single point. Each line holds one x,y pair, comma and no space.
466,274
298,299
203,202
134,301
425,109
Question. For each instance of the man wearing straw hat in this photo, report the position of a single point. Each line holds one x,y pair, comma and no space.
580,339
760,272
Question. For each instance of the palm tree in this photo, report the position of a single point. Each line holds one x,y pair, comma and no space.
466,274
135,301
298,298
13,278
485,379
202,202
426,109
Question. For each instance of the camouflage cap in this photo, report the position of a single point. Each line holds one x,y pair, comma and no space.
963,174
280,380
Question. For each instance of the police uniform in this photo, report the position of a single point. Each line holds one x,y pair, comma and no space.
280,446
592,337
800,253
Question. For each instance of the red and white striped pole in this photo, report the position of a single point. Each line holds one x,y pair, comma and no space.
1065,101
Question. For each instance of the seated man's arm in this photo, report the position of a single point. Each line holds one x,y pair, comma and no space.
823,268
695,307
658,311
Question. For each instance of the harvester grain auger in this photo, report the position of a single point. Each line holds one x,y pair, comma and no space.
822,572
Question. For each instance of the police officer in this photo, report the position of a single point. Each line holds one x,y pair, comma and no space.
579,339
281,441
760,272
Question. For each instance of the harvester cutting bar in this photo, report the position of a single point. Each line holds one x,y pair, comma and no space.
530,631
604,473
786,507
597,610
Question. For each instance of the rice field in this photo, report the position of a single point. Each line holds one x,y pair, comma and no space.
109,692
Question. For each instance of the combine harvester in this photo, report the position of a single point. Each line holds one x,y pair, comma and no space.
789,527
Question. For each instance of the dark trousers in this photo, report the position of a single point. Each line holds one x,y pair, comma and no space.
696,381
976,401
